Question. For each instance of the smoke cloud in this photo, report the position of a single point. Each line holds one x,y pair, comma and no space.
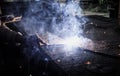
56,23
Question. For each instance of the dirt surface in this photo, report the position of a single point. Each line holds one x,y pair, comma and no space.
105,33
103,59
50,60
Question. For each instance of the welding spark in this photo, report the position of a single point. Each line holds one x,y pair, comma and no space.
67,30
71,42
70,45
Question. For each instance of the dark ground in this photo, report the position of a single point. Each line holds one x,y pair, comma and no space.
105,61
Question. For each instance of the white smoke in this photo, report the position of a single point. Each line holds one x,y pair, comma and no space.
70,28
57,22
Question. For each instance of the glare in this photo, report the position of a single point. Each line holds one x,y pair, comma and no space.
71,42
70,45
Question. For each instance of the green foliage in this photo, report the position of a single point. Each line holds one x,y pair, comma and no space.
102,1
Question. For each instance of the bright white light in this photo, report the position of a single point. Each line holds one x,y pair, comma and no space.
71,42
70,45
